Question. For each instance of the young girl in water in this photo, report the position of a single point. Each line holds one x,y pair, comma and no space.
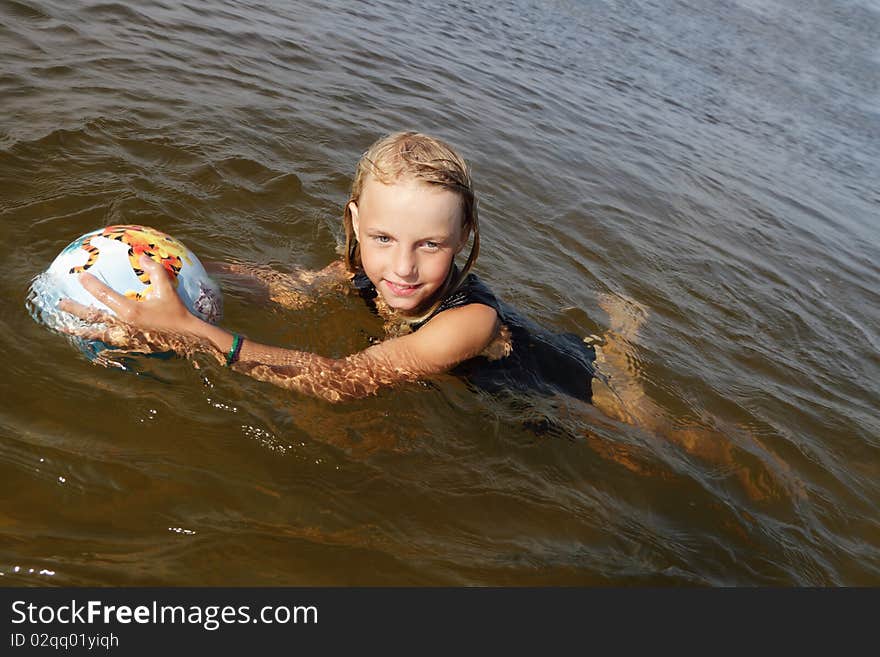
412,210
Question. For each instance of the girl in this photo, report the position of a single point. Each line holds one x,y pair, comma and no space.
412,210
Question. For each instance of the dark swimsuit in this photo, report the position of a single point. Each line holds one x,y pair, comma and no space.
540,362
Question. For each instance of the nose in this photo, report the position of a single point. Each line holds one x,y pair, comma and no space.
404,264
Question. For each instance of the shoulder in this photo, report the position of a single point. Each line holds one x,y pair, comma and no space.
459,333
471,291
472,310
473,317
337,270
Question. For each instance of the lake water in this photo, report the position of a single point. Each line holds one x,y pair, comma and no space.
716,162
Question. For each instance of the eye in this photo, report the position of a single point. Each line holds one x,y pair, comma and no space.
382,239
432,246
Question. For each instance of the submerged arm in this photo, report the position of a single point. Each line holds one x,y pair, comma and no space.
292,290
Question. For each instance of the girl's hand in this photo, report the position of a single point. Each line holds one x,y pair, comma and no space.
161,310
160,322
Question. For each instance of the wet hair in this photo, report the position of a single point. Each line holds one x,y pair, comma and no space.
415,156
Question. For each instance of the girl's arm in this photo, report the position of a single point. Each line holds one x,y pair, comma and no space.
449,338
294,290
162,322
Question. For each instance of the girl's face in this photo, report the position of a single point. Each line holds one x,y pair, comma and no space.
409,233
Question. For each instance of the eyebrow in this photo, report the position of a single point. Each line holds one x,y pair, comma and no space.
431,238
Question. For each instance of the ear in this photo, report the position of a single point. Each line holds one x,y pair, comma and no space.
355,220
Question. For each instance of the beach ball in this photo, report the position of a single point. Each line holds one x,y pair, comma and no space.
112,254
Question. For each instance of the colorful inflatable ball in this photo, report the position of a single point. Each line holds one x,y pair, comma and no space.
113,254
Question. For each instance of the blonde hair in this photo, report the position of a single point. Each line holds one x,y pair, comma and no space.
415,156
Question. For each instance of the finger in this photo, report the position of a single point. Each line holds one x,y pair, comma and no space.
105,294
89,314
109,357
114,333
73,307
159,276
87,332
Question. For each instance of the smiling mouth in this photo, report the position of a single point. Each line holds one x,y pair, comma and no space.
401,289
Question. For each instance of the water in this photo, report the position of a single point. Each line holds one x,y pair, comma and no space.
718,163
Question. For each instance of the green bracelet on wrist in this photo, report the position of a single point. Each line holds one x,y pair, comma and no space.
232,356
